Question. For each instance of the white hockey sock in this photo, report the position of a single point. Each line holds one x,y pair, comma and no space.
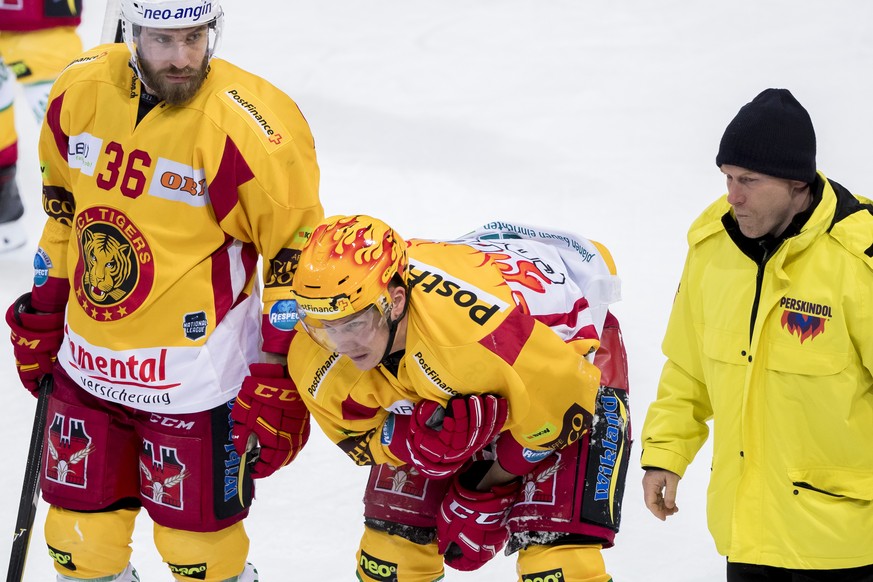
129,575
249,574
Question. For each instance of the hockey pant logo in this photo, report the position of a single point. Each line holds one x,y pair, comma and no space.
69,446
162,475
401,481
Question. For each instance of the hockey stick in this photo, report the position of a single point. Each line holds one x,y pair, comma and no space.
30,487
111,22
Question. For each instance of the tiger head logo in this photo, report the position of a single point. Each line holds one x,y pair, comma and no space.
108,266
115,272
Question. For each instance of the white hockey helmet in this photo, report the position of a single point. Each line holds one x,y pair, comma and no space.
136,14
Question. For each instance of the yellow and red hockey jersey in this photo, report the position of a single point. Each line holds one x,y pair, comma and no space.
155,230
508,310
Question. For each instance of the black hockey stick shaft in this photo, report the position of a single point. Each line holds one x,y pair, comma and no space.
30,487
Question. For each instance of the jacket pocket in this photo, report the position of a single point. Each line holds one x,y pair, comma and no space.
725,346
796,360
837,482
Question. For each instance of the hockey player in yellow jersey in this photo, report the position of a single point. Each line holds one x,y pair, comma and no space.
428,360
167,173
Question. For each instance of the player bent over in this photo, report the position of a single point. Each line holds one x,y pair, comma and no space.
461,371
167,173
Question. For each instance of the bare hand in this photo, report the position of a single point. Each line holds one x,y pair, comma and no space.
659,492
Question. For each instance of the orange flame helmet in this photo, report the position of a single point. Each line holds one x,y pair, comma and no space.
346,266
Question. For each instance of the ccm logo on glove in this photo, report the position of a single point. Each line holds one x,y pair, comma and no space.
284,394
268,409
480,518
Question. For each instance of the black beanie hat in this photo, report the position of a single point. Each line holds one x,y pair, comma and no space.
772,135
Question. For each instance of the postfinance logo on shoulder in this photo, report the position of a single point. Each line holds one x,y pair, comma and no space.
257,115
83,60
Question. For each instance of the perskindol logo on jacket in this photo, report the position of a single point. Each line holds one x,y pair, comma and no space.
115,270
804,319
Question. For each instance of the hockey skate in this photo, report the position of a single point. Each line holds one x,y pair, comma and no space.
12,233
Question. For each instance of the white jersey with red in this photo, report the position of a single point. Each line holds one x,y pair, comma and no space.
587,279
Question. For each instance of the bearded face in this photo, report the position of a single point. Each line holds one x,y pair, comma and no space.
174,85
173,62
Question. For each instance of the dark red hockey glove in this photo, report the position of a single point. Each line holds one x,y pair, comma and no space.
441,440
515,457
471,525
36,339
269,406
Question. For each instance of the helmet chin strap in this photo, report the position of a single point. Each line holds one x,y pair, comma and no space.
392,328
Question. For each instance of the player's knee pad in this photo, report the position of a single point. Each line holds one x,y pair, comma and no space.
90,545
383,557
563,563
208,556
403,502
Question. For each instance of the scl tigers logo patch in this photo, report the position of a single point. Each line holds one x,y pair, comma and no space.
115,270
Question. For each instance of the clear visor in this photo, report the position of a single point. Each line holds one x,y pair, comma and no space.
160,43
347,334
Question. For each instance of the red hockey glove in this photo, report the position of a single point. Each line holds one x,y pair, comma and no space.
515,457
269,406
36,339
471,525
441,440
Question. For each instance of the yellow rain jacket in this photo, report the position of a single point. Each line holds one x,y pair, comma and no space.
780,357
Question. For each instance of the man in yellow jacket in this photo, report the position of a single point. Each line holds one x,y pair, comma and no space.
770,338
